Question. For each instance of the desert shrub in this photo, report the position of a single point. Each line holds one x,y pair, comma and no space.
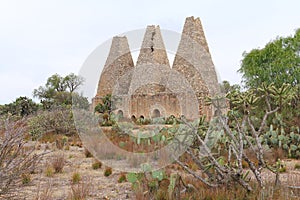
22,106
15,159
58,162
297,166
81,190
97,165
171,120
67,147
44,193
107,171
49,171
159,120
26,178
58,120
122,178
76,177
143,121
87,153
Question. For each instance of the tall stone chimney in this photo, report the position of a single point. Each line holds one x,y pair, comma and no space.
152,67
153,49
193,29
194,61
118,63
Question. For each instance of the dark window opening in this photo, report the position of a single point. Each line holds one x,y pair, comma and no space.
133,118
156,113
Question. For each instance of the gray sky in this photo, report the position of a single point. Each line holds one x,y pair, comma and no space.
41,38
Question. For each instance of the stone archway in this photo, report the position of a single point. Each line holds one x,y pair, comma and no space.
133,118
155,113
120,113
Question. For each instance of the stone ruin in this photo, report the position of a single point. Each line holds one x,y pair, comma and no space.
152,88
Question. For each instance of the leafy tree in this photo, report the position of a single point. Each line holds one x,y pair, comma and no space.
278,62
56,82
72,82
57,97
59,91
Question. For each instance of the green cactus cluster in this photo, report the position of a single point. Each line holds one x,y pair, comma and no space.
288,141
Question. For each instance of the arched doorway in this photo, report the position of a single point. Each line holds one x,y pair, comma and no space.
133,118
120,114
156,113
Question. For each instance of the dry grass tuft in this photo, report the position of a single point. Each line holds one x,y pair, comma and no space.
49,171
76,178
58,162
97,165
45,194
81,190
26,178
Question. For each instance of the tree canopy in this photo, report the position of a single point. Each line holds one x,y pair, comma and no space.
59,90
278,62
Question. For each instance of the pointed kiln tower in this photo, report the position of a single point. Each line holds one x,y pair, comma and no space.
152,64
118,63
194,61
153,49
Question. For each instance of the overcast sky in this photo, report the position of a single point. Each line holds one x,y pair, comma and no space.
41,38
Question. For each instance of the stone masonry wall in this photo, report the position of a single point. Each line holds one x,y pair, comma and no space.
118,63
152,86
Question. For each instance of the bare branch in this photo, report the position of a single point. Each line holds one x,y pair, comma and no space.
16,158
194,174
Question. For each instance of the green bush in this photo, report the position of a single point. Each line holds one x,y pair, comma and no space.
76,178
97,165
107,171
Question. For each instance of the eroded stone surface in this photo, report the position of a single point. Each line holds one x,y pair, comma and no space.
152,85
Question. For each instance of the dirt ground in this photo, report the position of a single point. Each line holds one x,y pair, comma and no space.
59,185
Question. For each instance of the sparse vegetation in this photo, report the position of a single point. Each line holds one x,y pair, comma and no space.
97,165
16,161
87,153
58,162
44,193
49,171
107,171
26,178
297,166
76,177
81,190
122,178
243,156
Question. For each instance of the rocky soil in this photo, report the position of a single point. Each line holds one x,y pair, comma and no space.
59,184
